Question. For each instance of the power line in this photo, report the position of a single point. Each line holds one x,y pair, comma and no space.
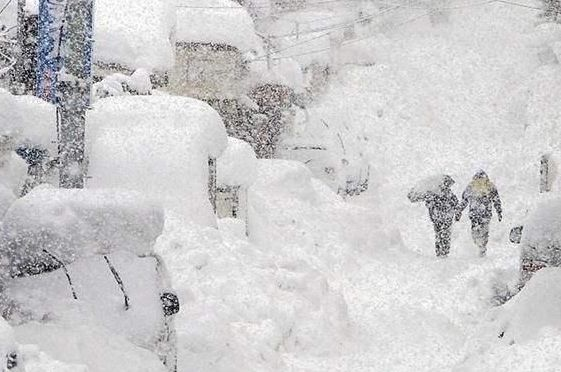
341,25
394,27
518,4
400,24
338,26
5,6
261,6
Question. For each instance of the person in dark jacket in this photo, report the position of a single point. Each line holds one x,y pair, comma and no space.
442,205
481,195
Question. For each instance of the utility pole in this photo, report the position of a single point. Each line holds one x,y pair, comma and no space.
64,78
74,90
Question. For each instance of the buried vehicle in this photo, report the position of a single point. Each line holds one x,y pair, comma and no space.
333,154
540,240
80,264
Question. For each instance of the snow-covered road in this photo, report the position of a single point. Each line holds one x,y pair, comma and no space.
448,99
354,286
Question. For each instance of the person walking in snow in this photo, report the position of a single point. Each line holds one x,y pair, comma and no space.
481,195
442,205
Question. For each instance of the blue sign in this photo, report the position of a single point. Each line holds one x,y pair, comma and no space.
50,57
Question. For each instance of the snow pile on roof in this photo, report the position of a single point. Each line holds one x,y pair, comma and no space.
134,33
27,119
77,223
217,22
159,146
237,165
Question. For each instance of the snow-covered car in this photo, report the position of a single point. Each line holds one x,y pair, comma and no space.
540,239
334,156
75,257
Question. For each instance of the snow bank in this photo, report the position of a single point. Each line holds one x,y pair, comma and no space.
249,303
87,347
237,165
159,146
536,307
78,223
7,340
134,33
229,24
522,335
36,360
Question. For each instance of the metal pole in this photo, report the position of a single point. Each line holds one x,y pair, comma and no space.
73,93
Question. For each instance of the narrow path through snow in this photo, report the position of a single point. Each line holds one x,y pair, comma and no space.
441,99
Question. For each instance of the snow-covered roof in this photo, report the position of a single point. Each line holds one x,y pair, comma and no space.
134,33
237,165
216,21
158,145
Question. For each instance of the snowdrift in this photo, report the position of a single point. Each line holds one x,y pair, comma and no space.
237,165
248,302
536,308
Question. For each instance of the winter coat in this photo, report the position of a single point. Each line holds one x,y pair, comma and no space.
442,207
481,195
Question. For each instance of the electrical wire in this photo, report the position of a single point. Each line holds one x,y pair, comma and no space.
395,26
262,7
339,26
5,6
518,4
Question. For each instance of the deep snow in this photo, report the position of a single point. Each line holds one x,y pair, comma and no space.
322,284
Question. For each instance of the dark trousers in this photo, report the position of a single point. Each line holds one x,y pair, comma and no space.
443,233
480,233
